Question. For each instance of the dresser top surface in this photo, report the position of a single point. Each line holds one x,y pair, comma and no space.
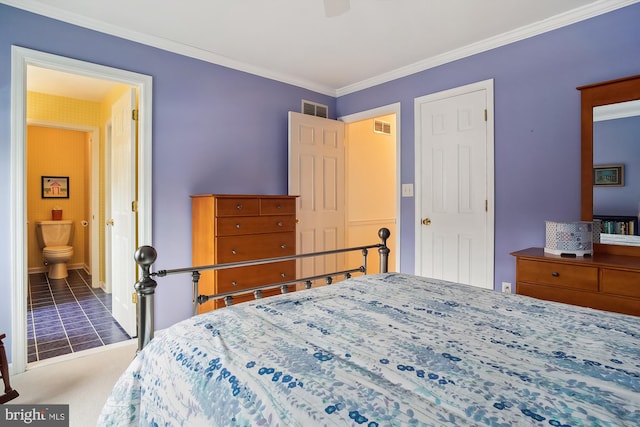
244,196
596,259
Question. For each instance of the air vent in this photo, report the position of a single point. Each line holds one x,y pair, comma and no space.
315,109
381,127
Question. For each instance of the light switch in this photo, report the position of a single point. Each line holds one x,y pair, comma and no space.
407,190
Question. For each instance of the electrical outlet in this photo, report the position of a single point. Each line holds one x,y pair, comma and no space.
506,287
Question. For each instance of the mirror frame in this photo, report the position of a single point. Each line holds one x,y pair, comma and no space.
594,95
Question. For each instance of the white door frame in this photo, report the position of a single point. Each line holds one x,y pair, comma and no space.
20,59
108,281
487,86
370,114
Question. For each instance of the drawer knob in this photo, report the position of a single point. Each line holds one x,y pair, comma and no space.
280,224
555,274
279,206
237,225
283,246
233,251
283,274
234,283
239,206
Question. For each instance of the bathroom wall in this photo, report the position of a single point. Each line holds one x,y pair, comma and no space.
370,187
66,112
56,152
58,110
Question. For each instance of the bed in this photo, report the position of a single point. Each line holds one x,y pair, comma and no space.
387,349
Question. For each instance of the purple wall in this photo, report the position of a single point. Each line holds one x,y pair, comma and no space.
219,130
537,122
618,141
214,130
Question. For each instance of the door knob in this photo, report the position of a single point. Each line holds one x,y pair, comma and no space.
426,221
110,222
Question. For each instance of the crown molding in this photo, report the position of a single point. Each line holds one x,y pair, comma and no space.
562,20
576,15
164,44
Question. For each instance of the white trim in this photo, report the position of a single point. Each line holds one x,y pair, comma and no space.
596,8
20,59
108,281
487,86
377,112
591,10
18,228
165,44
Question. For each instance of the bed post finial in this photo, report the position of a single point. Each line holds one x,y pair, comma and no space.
383,250
145,256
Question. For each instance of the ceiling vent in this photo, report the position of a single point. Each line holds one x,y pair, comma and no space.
315,109
381,127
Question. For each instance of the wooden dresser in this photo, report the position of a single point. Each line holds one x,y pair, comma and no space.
603,281
233,228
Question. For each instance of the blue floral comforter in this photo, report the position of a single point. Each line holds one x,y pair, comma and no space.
387,350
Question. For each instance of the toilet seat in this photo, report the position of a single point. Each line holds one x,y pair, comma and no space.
58,250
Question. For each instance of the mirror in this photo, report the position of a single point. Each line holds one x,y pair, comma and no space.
602,102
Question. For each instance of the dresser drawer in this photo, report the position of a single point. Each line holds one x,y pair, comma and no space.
239,299
251,247
620,282
255,225
237,207
276,206
558,274
234,279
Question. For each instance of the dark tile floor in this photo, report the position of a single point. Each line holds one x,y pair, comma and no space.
68,315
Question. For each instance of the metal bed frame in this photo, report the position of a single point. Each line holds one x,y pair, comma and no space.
145,256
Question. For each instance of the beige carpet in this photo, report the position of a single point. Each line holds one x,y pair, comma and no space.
82,380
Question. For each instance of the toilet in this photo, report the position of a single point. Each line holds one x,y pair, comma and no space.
54,238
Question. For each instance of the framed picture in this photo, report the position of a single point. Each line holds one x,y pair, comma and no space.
55,187
608,176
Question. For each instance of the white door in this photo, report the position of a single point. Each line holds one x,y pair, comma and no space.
317,177
454,238
121,224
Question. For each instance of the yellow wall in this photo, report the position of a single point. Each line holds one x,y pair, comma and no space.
371,187
60,109
66,112
56,152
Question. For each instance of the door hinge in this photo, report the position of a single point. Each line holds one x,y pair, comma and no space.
486,205
485,115
134,298
134,115
134,206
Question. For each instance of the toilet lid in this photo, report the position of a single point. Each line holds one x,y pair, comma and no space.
58,249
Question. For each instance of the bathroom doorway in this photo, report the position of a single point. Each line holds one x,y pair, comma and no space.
73,313
22,59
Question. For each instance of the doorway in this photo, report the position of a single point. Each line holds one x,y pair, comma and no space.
371,185
21,59
317,145
362,227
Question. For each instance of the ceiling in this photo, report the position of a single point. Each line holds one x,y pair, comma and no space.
295,42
